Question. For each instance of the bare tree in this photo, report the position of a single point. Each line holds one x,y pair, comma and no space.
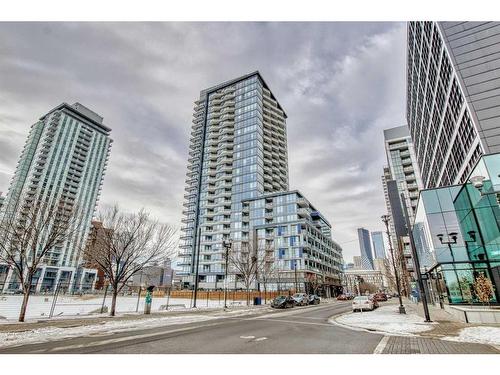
130,243
245,264
483,288
314,282
30,232
266,267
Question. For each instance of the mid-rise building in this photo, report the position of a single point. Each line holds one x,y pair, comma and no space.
365,248
453,101
238,153
64,158
378,245
298,238
363,281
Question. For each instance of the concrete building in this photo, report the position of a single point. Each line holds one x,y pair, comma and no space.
453,101
159,276
357,262
365,247
362,281
238,152
378,245
65,157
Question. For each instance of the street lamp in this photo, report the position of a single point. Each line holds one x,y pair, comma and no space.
453,241
416,261
227,246
385,219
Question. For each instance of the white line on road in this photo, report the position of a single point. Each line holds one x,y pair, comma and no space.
247,337
260,339
381,345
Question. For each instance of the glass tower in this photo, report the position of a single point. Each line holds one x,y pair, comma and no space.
65,157
238,151
365,248
378,245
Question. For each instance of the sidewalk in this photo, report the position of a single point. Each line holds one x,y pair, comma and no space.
410,333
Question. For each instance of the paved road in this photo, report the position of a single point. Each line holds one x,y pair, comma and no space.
294,331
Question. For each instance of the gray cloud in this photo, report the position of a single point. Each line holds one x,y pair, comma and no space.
340,84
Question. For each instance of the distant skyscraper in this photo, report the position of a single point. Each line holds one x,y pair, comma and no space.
64,157
365,248
378,245
453,101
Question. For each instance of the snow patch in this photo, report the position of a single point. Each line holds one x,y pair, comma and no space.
386,319
481,335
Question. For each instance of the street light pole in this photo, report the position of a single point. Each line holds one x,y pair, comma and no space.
416,261
385,219
227,247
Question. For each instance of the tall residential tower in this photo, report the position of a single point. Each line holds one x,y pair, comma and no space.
64,157
238,153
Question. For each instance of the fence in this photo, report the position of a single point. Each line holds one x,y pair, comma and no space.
65,300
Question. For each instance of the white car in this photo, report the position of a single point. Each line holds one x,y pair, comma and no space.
362,303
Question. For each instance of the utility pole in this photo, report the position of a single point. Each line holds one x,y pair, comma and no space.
385,219
227,247
416,261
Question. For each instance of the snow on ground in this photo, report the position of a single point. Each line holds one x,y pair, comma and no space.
39,306
39,335
387,319
56,333
482,335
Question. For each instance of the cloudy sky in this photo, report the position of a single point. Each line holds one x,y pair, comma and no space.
340,83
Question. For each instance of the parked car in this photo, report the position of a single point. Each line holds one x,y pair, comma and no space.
301,299
314,299
388,296
342,297
362,303
374,300
283,302
380,297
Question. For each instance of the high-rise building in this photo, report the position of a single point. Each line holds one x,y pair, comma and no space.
403,165
365,248
378,245
238,153
453,101
64,157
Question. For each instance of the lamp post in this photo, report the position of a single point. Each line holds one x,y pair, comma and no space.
227,246
416,261
385,219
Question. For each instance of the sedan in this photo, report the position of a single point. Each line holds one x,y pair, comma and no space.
314,299
301,299
362,303
283,302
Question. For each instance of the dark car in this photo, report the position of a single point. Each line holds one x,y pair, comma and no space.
283,302
314,299
380,297
342,297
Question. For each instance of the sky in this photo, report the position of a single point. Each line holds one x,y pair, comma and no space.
340,84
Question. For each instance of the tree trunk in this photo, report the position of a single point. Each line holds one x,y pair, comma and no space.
113,301
24,305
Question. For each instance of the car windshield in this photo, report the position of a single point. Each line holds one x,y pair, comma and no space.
361,298
279,298
297,295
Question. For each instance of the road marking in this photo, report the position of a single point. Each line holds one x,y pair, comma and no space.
381,345
260,339
293,321
247,337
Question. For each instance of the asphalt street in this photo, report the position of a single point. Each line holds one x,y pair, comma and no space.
300,330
